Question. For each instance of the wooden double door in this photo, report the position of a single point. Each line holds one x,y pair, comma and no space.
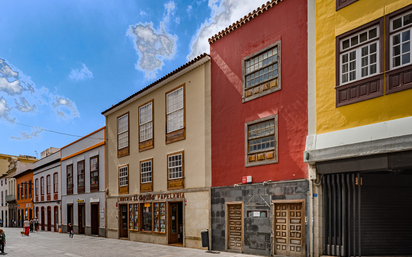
289,229
81,218
123,232
95,219
49,218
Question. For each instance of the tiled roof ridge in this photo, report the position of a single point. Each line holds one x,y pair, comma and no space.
244,20
184,66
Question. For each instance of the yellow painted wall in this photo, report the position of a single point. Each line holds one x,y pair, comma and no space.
329,24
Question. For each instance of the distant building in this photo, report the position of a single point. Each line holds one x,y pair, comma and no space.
83,176
17,165
47,190
24,188
3,202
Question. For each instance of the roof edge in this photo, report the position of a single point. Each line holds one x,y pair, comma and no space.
196,62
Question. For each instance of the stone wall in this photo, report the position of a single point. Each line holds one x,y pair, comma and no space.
255,197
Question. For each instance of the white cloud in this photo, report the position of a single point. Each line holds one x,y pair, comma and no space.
26,97
153,46
143,13
222,15
64,107
177,20
189,10
27,136
81,74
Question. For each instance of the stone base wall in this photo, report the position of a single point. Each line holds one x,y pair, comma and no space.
255,197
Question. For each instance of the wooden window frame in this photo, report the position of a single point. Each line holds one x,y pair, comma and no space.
267,87
146,186
69,188
25,190
149,143
48,186
180,134
30,190
94,187
81,189
227,223
396,78
55,182
364,88
36,189
42,186
125,151
141,217
176,183
272,219
265,154
123,189
340,4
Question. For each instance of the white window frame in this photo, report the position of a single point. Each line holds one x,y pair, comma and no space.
170,112
42,185
55,182
48,184
358,55
399,31
170,168
37,186
125,176
145,170
146,124
123,131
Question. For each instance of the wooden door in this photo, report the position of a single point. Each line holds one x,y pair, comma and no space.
173,223
95,219
42,218
235,225
56,218
81,218
123,220
49,218
289,229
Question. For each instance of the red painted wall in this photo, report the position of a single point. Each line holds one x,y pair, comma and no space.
286,22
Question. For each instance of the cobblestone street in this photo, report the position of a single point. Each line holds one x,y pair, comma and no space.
57,244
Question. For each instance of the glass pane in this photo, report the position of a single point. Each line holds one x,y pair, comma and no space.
363,37
406,58
373,58
396,50
406,35
352,55
365,51
345,44
352,65
354,41
406,47
147,217
364,61
397,23
352,75
372,33
344,78
396,61
373,69
364,71
345,58
407,19
373,48
396,39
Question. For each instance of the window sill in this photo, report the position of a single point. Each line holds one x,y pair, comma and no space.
359,90
398,79
176,136
123,152
261,90
258,163
146,145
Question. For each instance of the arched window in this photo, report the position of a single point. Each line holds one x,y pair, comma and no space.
48,184
42,185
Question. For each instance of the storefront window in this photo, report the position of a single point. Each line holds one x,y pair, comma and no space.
159,217
147,217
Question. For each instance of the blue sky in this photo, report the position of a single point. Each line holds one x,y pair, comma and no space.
64,62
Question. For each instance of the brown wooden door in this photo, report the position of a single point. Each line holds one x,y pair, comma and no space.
289,229
95,219
49,218
173,223
235,224
81,218
56,218
42,218
123,220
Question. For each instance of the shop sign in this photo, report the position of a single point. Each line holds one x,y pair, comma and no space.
150,197
80,200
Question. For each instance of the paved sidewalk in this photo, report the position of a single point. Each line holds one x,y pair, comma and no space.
57,244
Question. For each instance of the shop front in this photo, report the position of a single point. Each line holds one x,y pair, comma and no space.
163,218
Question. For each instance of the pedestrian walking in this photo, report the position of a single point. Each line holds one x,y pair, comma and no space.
2,240
31,225
26,226
70,228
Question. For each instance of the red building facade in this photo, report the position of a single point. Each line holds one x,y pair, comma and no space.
259,126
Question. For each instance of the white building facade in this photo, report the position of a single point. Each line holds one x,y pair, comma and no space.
47,190
3,202
84,184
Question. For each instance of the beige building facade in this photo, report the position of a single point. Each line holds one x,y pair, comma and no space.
159,159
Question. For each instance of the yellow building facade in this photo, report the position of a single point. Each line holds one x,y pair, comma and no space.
359,145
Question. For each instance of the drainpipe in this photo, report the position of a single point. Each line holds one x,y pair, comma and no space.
311,218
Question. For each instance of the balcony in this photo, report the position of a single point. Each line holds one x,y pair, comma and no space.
10,198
